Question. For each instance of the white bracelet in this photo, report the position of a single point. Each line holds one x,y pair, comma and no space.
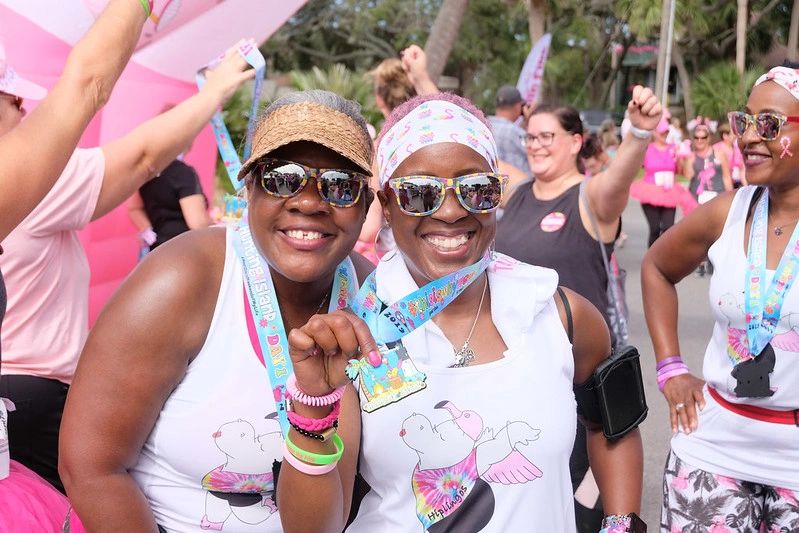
638,133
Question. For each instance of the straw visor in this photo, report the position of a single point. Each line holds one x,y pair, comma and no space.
309,121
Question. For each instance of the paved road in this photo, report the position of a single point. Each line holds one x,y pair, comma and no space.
695,328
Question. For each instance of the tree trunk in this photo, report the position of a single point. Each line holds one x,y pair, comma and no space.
536,17
685,80
793,33
607,91
740,37
443,36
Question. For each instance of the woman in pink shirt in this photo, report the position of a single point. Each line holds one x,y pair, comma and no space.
729,147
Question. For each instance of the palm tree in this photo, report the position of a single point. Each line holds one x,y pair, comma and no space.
536,17
443,35
793,33
740,36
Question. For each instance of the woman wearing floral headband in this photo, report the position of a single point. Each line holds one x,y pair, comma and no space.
468,420
734,460
172,419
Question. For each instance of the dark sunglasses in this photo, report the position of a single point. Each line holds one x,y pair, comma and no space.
700,137
420,196
767,125
284,179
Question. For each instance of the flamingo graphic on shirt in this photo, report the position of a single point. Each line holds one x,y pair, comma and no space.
786,334
458,458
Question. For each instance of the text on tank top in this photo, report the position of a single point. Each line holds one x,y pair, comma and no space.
550,233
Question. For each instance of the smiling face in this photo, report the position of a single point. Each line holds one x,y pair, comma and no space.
302,237
762,158
450,238
557,159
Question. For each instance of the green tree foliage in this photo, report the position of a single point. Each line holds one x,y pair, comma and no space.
717,90
342,81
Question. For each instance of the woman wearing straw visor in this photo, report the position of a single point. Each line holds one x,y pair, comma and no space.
468,420
184,430
734,460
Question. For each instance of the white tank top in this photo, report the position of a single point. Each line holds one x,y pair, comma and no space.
481,448
726,443
207,464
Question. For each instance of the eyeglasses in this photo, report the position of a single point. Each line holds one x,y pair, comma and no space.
767,125
16,101
284,179
421,196
700,137
545,138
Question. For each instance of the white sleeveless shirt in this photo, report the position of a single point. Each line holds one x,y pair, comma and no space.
207,464
727,443
481,448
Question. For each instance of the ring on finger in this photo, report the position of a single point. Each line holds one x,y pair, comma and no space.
679,407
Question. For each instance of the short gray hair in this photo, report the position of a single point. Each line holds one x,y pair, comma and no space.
326,98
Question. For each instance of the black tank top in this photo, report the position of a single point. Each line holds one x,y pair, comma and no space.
550,233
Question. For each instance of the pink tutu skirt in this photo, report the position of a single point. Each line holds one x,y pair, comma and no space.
29,503
677,196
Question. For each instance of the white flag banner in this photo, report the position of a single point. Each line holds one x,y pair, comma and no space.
532,75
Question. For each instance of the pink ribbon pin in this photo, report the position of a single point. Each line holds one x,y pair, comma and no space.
785,142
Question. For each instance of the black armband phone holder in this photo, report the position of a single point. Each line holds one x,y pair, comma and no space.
614,395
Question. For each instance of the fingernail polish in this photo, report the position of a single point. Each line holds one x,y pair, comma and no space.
374,358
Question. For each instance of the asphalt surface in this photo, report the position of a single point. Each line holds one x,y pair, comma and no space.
696,325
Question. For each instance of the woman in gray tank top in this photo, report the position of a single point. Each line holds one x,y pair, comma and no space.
707,168
546,224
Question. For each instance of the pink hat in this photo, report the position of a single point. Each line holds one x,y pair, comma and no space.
12,83
663,125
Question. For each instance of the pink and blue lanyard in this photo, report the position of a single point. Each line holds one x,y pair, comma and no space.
227,151
266,314
763,309
389,323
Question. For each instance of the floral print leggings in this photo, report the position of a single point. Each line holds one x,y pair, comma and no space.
697,501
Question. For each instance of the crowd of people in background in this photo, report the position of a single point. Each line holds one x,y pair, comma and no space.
411,329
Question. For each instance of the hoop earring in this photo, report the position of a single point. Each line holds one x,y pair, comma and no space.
381,240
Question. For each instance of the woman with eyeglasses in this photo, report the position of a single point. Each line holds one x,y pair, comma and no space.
734,460
547,224
707,168
467,420
172,418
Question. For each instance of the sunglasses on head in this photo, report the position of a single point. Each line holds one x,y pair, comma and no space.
284,179
420,196
767,125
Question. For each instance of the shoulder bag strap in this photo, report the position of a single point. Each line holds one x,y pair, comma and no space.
567,308
595,226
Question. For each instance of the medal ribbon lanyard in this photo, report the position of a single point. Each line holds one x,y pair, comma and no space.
265,308
763,309
391,323
249,51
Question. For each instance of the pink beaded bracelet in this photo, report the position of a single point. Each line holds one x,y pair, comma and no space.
315,425
305,468
314,401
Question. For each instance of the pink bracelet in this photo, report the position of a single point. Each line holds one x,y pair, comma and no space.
668,361
315,424
314,401
664,377
305,468
669,367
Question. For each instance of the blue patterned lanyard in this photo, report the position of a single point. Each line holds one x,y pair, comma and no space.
268,320
763,309
391,323
227,151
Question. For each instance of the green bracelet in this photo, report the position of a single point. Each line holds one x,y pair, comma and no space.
146,5
317,458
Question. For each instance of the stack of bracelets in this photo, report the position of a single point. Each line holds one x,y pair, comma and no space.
669,368
322,429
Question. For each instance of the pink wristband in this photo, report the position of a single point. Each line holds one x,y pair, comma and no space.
668,361
314,401
315,425
663,378
305,468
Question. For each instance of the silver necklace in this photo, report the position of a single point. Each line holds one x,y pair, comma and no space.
465,355
778,229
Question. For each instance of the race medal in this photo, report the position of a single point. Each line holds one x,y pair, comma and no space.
752,375
396,377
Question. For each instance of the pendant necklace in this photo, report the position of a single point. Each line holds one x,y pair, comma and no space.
778,229
465,355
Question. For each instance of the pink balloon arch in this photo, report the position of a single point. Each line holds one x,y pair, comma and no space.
180,37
